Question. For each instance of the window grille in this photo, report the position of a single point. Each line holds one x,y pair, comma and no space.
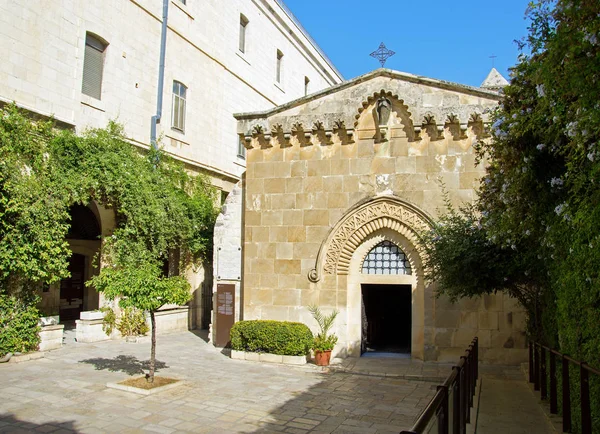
243,26
386,258
93,63
179,101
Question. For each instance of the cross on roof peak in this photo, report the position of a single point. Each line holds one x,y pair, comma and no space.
382,54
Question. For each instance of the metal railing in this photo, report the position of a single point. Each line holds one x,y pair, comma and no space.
451,405
538,371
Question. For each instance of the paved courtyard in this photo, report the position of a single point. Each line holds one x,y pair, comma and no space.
66,392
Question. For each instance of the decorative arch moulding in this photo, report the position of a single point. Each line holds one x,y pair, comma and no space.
320,129
366,218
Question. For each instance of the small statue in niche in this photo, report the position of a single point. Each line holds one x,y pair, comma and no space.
384,108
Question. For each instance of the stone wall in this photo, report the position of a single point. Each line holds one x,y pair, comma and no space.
43,50
227,256
326,182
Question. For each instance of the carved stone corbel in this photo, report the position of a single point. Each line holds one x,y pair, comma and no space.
278,135
346,135
303,137
430,127
318,131
263,139
453,125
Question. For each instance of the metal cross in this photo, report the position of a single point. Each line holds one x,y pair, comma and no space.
493,57
382,54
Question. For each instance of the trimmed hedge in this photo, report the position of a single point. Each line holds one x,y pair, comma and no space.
275,337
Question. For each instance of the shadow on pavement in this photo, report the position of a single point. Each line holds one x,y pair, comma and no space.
346,403
10,424
201,333
128,364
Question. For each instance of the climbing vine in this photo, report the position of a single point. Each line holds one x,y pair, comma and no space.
162,212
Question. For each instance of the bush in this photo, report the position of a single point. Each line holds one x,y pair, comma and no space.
18,325
275,337
131,322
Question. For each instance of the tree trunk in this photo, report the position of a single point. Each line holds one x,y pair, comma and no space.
152,348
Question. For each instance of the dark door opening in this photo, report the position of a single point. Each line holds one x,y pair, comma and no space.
386,318
71,289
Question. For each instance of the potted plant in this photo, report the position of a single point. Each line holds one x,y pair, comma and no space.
324,341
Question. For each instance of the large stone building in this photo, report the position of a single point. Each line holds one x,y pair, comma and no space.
338,186
87,62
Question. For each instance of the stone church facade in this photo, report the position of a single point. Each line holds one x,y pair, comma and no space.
338,186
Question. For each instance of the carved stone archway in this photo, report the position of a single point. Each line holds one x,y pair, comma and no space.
343,251
359,222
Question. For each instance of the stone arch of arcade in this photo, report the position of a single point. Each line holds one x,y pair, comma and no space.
384,218
71,296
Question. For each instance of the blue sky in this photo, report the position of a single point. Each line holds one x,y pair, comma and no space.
439,39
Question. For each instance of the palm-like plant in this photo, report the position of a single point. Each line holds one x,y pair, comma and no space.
323,341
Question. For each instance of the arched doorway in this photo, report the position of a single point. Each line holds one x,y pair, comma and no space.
381,221
386,307
84,240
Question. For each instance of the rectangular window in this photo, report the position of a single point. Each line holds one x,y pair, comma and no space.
93,64
279,71
241,148
306,85
243,26
179,99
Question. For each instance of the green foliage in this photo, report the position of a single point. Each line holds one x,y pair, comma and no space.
324,340
18,325
539,202
33,205
161,211
131,322
274,337
109,322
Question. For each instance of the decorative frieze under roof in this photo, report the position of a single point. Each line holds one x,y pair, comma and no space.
420,107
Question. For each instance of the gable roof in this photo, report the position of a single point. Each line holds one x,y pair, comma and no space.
381,72
494,80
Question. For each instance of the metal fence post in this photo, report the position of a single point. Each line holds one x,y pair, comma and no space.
443,413
586,412
531,377
476,359
536,367
566,395
543,384
456,404
553,390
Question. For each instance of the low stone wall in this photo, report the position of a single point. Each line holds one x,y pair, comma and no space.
268,358
51,337
89,327
171,320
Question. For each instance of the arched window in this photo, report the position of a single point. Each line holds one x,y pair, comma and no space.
386,258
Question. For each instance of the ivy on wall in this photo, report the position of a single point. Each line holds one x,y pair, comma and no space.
159,207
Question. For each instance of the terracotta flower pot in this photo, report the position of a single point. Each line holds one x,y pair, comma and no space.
322,357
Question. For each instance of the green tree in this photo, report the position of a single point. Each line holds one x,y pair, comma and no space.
162,212
137,282
538,210
33,206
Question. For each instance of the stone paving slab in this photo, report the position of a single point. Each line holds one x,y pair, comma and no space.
508,405
66,392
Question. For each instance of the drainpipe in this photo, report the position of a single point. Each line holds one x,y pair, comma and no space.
161,75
